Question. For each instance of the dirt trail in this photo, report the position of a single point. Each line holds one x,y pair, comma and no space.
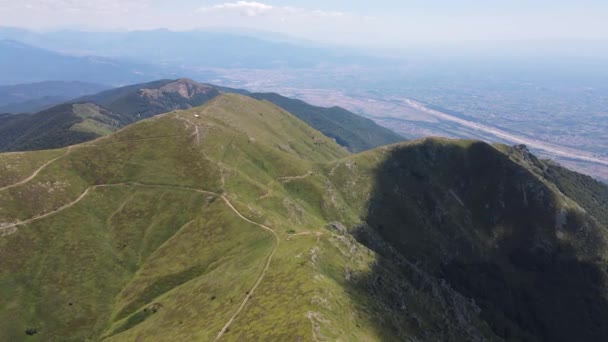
160,137
36,218
33,175
257,283
290,178
196,132
228,203
306,233
86,145
317,234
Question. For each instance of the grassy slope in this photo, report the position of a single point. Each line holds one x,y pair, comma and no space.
350,130
81,120
486,222
15,165
59,126
64,125
169,246
586,191
95,120
162,261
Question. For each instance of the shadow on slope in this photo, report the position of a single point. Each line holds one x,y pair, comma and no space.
474,246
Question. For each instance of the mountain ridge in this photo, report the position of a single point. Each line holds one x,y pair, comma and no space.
380,245
140,101
34,97
22,63
57,127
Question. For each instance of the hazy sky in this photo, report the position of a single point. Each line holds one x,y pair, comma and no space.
367,23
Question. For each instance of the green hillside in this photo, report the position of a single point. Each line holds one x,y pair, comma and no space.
586,191
237,221
352,131
59,126
93,116
142,101
532,259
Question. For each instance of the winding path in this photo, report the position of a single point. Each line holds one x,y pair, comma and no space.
69,149
36,218
196,132
89,144
287,179
228,203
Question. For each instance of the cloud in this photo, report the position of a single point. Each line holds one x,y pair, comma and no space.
106,6
249,8
252,9
328,14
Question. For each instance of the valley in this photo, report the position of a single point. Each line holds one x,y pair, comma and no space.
574,136
411,118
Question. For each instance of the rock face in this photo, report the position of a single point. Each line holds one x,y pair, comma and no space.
160,97
186,88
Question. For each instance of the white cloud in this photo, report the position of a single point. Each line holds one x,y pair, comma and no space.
328,14
106,6
249,8
252,9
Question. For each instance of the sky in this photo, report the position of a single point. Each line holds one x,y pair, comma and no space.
378,23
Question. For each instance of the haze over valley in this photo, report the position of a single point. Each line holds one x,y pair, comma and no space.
558,109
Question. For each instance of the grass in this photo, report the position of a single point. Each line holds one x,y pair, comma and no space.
152,258
94,120
173,247
352,131
15,165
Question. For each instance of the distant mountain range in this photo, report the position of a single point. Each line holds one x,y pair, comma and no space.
22,63
34,97
92,116
173,210
191,48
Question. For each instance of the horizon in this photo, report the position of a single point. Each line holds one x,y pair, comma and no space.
592,48
384,25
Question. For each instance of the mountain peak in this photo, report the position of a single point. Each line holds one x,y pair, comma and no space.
185,87
244,213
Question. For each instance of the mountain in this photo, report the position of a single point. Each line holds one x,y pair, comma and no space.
350,130
22,63
192,49
58,126
145,100
97,115
237,221
482,218
34,97
140,101
590,193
